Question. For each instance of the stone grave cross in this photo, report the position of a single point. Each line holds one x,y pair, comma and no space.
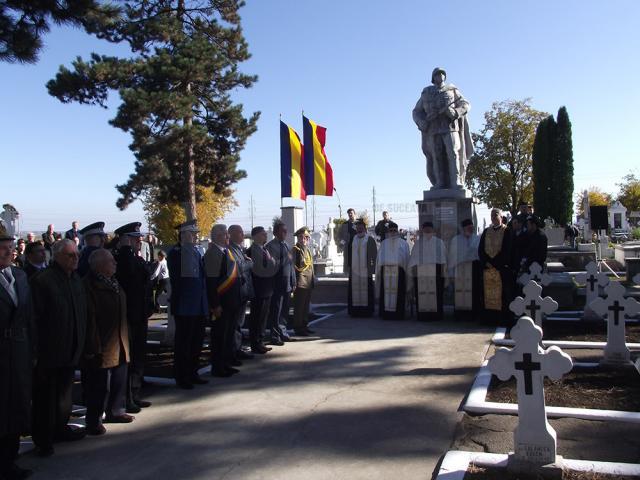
535,273
533,305
615,308
534,438
593,280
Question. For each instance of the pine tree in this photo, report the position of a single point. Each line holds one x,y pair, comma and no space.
175,91
564,177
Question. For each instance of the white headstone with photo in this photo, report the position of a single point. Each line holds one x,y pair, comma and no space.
534,438
615,308
533,305
535,273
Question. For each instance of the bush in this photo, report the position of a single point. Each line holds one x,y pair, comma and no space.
635,233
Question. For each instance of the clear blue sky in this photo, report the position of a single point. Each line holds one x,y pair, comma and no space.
356,67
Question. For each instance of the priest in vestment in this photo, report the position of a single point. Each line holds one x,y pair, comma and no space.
362,265
494,254
391,274
427,268
464,269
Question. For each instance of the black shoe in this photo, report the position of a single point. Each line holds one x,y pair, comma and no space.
242,355
235,363
97,430
222,373
14,472
142,403
310,332
70,434
277,342
302,333
183,385
261,349
197,380
124,418
133,408
45,451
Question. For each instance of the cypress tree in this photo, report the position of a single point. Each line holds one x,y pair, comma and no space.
564,178
539,171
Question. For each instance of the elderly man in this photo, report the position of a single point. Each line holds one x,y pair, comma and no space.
106,349
391,275
49,237
305,279
73,233
224,292
133,276
284,282
93,238
427,269
264,267
245,264
464,269
362,257
494,252
16,360
188,304
61,318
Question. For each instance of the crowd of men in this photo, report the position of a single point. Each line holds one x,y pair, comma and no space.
76,303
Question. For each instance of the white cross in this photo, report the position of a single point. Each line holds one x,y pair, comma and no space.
592,280
533,305
535,273
615,308
534,438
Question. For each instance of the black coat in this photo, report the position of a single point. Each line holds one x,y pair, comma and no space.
16,357
60,308
536,249
263,270
134,277
224,285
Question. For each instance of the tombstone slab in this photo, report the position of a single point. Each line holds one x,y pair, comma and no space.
534,438
533,305
615,309
535,273
593,281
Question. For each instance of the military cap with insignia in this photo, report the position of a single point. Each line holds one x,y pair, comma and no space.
303,231
132,229
188,226
96,228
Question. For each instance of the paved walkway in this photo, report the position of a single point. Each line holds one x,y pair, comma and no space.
369,399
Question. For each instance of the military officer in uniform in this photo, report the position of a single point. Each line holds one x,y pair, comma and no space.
303,264
132,273
93,238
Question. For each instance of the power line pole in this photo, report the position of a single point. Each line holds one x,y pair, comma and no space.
374,205
252,210
313,206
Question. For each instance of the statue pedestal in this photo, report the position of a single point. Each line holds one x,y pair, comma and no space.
446,208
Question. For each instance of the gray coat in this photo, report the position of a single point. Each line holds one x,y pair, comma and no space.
285,278
16,357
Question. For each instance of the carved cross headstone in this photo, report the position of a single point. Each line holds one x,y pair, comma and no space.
615,308
535,273
534,438
593,280
533,305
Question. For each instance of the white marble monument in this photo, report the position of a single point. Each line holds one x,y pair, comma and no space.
593,281
534,438
533,305
535,273
615,308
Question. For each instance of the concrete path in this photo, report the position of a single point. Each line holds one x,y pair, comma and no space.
368,399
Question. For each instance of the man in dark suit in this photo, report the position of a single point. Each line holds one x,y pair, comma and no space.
347,232
224,292
73,233
35,258
262,278
536,249
236,238
284,282
188,304
60,310
16,361
49,238
133,276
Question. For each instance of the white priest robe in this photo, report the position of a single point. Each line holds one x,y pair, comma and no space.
362,263
427,267
464,268
391,277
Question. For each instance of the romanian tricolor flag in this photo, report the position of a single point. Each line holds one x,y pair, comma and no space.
291,164
318,176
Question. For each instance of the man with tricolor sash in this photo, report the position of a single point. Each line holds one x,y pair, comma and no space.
224,291
362,265
391,274
427,267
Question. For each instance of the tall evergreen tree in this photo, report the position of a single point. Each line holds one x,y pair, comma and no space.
175,91
564,178
540,169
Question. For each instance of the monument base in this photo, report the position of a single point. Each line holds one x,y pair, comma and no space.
446,208
546,471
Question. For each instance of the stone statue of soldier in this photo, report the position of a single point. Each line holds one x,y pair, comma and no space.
441,116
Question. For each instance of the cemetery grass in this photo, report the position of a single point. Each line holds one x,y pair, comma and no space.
585,331
603,389
495,473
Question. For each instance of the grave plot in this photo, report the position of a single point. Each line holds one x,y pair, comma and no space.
534,440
